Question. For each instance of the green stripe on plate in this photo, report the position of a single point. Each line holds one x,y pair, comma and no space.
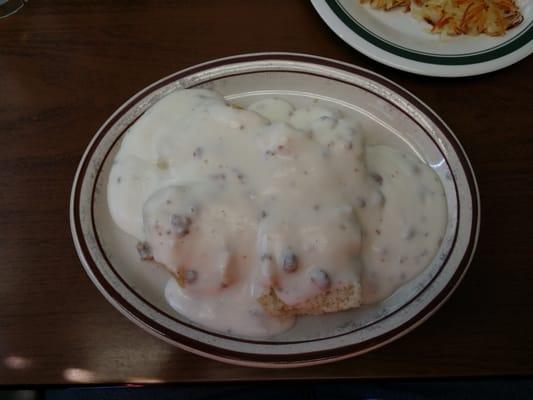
503,49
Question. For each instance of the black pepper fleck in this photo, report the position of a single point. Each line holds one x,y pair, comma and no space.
198,152
145,250
266,257
320,278
289,261
240,176
180,224
409,233
218,177
377,177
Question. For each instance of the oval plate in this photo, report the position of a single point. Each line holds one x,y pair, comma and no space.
397,39
383,108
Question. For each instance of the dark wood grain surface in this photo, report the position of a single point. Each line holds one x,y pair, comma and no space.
66,65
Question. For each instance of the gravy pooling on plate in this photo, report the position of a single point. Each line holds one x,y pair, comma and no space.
270,212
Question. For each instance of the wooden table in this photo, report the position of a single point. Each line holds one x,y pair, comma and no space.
66,66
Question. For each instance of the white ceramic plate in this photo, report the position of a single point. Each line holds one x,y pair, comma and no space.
136,288
397,39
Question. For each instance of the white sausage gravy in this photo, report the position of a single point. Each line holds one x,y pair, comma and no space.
238,202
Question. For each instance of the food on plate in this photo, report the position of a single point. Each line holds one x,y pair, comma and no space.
458,17
388,4
264,213
469,17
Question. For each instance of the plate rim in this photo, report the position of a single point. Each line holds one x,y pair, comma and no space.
332,13
402,329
